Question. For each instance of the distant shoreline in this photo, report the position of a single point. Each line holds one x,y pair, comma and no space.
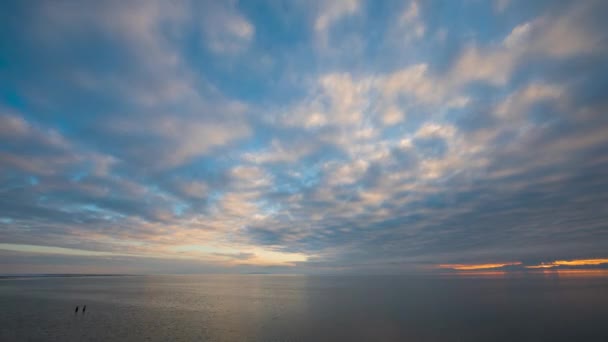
28,276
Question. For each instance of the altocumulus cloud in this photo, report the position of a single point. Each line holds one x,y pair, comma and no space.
346,136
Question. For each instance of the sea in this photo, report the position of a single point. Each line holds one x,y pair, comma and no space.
264,307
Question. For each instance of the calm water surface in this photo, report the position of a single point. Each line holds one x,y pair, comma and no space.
305,308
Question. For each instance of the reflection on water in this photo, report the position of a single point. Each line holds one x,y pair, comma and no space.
556,306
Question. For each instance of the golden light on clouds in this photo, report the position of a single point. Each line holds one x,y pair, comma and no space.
542,265
472,267
262,257
482,273
250,255
579,262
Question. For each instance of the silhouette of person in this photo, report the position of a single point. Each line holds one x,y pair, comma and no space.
76,311
84,308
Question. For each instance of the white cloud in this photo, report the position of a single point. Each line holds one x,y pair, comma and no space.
413,80
517,104
342,174
278,151
392,116
191,138
228,32
410,22
331,12
493,66
334,11
44,150
336,99
459,102
250,177
13,126
561,36
518,35
405,29
315,120
238,205
431,129
178,138
194,189
346,96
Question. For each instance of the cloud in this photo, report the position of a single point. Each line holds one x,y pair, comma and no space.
392,115
582,262
410,22
139,25
38,150
520,102
226,31
194,189
413,80
461,267
517,266
283,151
191,139
562,35
332,12
148,134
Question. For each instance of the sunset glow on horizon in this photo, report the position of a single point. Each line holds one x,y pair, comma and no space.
471,267
542,265
581,262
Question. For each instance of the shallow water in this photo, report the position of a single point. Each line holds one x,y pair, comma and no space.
304,308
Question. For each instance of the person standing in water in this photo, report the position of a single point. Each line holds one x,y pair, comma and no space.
76,311
84,309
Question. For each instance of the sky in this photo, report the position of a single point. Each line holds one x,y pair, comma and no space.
302,136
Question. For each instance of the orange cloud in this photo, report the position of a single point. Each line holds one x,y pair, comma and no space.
482,273
579,262
542,265
472,267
